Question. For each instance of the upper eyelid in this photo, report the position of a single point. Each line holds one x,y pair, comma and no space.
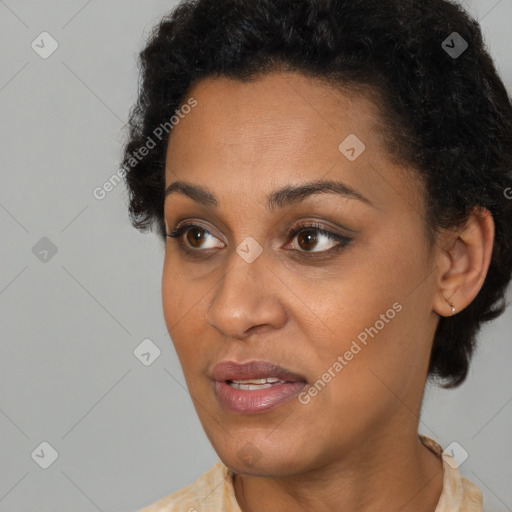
314,224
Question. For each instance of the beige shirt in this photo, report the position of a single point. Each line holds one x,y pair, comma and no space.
214,492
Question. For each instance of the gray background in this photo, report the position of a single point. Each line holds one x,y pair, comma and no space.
127,434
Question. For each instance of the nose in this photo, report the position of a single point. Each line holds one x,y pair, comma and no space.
247,299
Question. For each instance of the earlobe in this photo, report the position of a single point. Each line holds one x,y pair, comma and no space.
463,262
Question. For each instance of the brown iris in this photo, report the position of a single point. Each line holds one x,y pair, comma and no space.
311,239
195,237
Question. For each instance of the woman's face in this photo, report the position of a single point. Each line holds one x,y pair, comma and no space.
344,304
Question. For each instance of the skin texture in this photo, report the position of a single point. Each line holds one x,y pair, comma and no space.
354,446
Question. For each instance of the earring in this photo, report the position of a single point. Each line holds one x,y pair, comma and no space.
452,306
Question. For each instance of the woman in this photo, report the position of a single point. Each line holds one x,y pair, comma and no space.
329,178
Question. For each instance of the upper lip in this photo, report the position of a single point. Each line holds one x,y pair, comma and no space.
230,370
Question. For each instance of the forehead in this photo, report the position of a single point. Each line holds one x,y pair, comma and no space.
279,129
286,104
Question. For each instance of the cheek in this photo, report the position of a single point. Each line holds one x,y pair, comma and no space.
172,289
361,373
180,295
373,315
184,304
181,303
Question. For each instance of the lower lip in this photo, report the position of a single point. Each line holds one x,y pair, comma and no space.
255,401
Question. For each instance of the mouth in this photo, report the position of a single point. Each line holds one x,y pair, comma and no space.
254,387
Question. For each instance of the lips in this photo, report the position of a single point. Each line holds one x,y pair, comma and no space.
254,387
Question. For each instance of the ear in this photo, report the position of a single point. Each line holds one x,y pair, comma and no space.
463,258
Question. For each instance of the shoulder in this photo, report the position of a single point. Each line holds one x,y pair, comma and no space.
212,491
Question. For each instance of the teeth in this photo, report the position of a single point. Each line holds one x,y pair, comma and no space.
251,381
249,387
255,384
269,380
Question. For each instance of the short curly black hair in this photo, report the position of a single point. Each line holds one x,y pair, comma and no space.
449,115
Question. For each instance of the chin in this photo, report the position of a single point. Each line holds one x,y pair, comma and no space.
259,457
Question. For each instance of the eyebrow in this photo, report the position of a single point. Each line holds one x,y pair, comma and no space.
281,198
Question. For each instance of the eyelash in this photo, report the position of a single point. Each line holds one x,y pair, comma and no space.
343,241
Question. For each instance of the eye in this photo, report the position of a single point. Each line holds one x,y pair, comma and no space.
311,238
309,241
195,236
